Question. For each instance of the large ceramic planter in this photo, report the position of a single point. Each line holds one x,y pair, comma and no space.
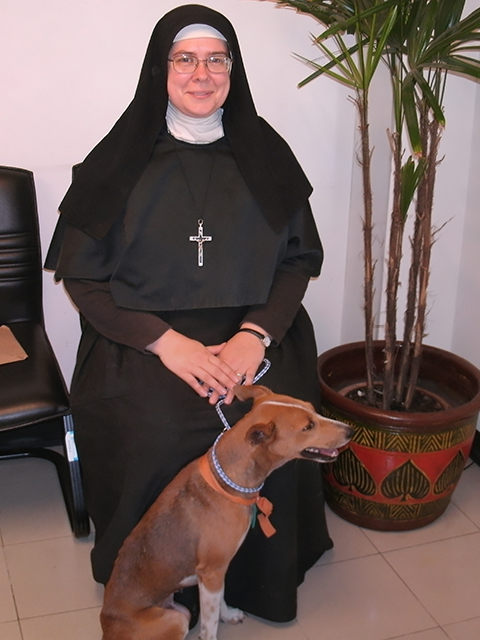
400,470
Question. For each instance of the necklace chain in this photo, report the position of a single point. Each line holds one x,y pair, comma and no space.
200,207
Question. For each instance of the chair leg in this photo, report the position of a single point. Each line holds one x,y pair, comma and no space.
74,499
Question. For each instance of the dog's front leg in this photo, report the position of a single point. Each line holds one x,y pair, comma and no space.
210,602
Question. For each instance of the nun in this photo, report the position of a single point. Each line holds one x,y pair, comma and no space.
187,242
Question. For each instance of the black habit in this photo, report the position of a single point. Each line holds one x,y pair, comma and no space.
133,271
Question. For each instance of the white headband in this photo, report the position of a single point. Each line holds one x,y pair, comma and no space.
198,31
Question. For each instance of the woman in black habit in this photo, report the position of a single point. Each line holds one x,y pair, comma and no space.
187,224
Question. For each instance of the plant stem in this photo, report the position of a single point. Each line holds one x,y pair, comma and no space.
369,268
413,276
434,135
393,274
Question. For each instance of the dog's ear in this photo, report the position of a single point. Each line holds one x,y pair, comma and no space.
261,433
245,392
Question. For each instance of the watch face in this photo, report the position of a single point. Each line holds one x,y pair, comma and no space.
267,341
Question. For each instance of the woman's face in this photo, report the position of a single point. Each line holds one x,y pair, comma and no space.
201,93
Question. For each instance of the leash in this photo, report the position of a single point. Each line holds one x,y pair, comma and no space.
227,427
262,504
221,400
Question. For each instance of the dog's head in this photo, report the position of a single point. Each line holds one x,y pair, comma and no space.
289,428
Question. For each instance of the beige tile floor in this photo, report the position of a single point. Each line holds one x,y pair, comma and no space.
417,585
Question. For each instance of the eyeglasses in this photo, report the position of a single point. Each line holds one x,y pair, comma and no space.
186,63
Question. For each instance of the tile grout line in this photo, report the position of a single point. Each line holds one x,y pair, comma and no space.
13,595
439,626
9,545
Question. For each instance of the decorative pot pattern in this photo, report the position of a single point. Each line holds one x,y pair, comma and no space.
396,481
400,470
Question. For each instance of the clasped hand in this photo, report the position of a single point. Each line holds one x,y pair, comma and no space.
212,371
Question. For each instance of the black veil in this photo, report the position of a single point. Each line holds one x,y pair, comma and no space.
107,176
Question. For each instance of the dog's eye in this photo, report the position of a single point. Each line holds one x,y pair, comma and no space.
309,426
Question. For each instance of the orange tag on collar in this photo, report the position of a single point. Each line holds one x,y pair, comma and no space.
262,504
265,507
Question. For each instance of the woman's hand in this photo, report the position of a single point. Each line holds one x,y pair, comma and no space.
194,363
243,353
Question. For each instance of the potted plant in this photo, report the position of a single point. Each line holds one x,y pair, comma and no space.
414,407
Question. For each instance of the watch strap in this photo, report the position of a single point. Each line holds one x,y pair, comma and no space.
265,340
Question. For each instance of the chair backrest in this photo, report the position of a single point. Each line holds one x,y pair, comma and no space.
20,256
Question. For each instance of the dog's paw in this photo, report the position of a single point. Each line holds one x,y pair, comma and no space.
231,615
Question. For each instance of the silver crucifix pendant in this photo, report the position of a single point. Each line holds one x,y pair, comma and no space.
200,239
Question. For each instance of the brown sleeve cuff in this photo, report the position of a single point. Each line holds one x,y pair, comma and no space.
136,329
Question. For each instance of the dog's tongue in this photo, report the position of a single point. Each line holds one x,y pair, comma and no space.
329,453
326,455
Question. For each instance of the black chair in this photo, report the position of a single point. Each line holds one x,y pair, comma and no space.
34,404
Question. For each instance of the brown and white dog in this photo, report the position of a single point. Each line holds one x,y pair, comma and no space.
194,528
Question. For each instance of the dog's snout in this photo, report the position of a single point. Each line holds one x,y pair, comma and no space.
346,429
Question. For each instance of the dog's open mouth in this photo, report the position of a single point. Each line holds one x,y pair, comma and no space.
320,455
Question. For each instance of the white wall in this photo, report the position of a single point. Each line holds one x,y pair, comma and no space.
466,306
70,68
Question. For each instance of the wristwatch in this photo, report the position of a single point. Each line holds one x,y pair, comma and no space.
265,340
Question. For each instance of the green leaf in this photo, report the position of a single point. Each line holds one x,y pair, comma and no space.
358,18
460,34
347,74
469,67
411,116
449,12
325,12
430,97
411,174
385,34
